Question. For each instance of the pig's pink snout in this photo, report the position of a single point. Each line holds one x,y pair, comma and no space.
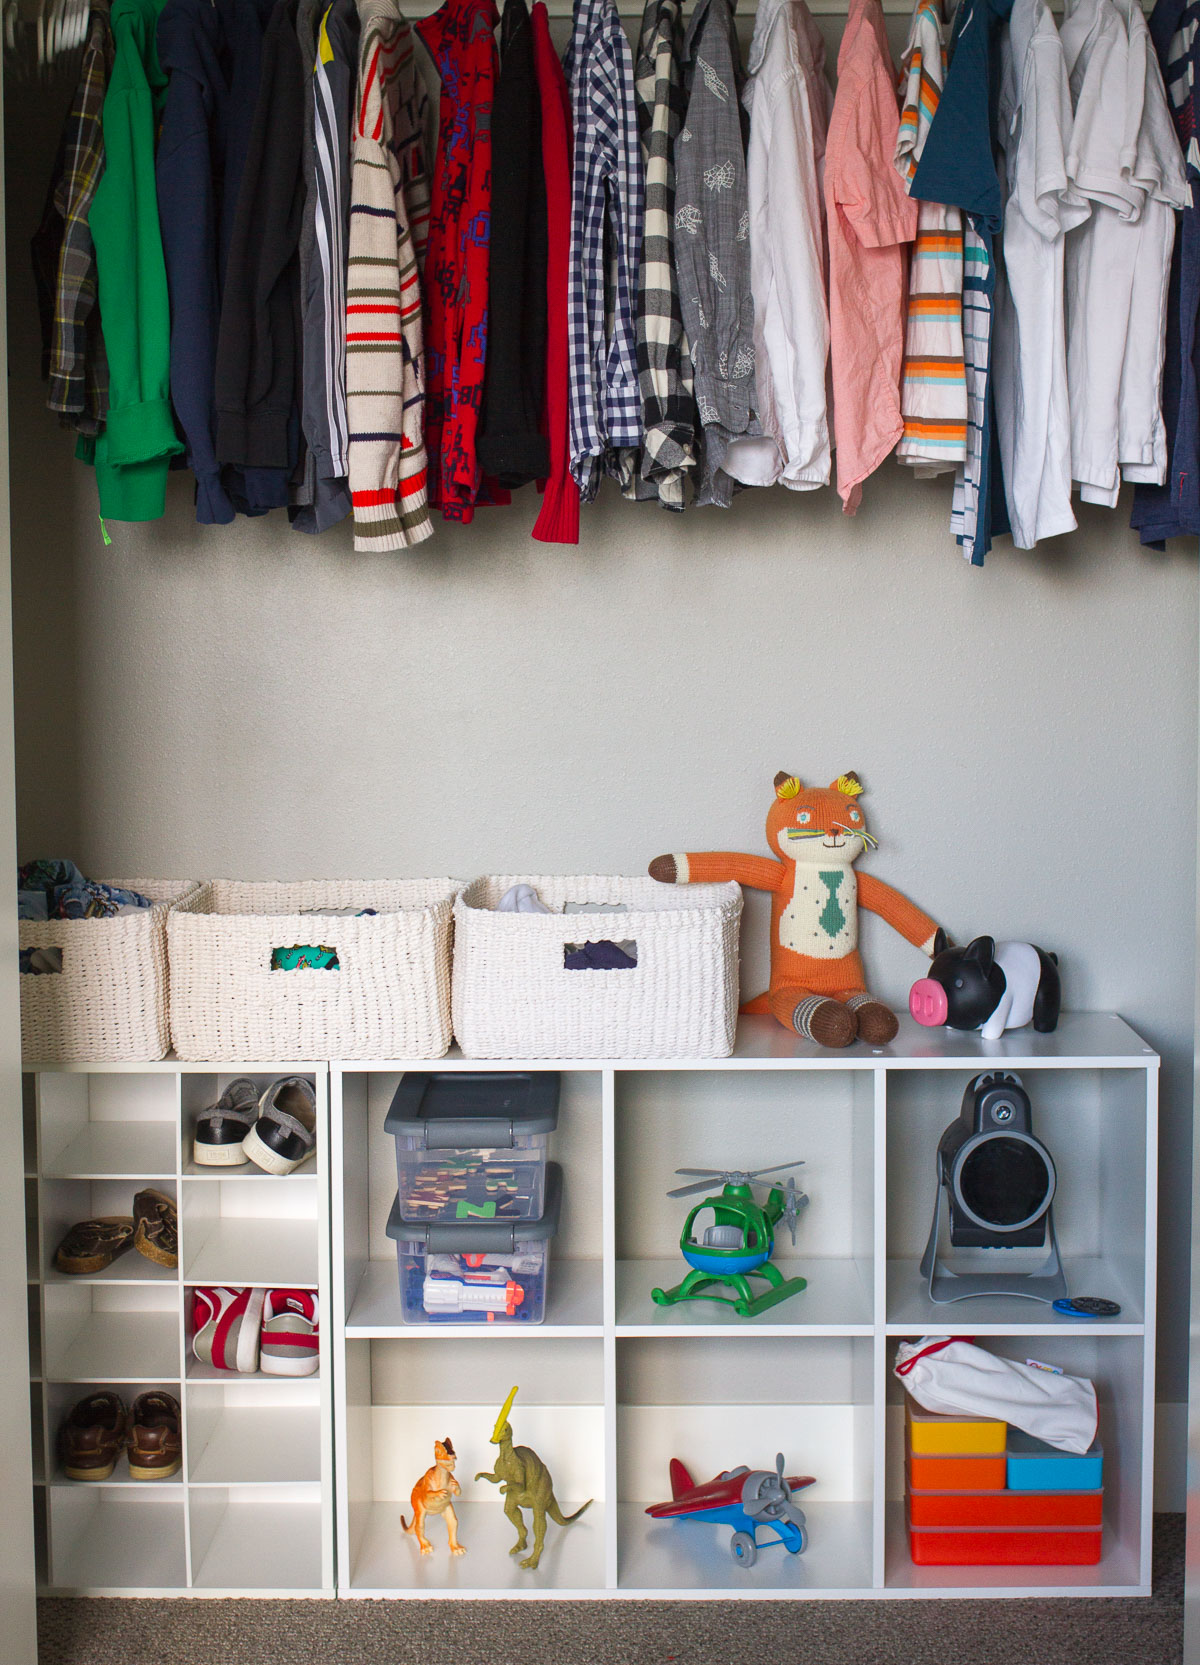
927,1002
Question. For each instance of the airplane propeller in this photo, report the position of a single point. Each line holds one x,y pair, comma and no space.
767,1496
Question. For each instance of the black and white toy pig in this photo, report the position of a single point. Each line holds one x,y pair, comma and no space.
990,986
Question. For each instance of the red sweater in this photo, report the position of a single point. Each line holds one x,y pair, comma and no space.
558,521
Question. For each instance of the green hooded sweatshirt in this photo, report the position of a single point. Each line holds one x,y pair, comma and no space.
133,452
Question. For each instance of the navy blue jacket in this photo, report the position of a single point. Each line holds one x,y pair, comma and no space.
190,42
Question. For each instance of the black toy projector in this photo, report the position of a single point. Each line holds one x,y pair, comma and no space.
998,1181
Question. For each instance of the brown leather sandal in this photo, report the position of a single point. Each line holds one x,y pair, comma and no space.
155,1442
91,1245
156,1227
92,1437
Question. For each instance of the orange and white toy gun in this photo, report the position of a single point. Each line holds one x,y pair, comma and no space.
467,1295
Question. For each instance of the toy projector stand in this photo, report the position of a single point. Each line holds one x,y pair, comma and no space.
1045,1281
997,1180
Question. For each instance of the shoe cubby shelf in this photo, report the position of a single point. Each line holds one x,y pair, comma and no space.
251,1510
611,1385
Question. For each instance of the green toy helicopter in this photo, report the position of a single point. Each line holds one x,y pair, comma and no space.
738,1243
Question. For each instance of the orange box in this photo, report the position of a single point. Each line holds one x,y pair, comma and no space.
995,1509
931,1435
942,1547
957,1474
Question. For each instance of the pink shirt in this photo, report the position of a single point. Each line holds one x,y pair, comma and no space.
871,218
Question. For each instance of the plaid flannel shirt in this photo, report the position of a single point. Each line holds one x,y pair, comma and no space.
63,254
609,189
664,358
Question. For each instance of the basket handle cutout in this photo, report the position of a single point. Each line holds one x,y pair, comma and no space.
600,956
41,962
305,957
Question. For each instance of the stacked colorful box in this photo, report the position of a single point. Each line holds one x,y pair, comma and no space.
981,1494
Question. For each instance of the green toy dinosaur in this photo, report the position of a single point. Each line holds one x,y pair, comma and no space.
525,1482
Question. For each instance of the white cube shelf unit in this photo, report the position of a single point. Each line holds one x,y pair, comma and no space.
251,1512
613,1386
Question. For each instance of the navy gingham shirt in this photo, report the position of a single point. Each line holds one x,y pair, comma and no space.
608,184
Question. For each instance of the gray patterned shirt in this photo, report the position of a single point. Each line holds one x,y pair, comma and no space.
712,242
668,452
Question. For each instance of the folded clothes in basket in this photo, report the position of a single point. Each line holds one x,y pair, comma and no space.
577,956
58,890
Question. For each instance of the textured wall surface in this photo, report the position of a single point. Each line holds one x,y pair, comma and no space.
246,702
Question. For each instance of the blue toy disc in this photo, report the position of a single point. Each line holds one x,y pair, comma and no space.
1086,1306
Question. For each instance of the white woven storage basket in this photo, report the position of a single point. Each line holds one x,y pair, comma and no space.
389,997
514,998
109,1001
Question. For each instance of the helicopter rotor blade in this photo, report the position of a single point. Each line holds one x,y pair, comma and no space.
691,1190
775,1168
700,1173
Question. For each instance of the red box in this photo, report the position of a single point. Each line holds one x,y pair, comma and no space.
1006,1547
1005,1509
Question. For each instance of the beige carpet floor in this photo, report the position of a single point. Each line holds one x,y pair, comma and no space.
1029,1632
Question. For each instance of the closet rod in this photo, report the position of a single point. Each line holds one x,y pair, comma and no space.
563,9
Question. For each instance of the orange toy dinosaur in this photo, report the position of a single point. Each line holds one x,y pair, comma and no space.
432,1495
818,987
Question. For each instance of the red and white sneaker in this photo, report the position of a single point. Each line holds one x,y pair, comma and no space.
290,1339
227,1323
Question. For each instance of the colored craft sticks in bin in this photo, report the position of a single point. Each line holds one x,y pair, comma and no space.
477,1204
981,1494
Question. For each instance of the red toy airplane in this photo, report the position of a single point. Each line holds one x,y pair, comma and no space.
742,1498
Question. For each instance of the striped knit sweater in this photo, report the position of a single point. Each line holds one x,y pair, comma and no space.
389,220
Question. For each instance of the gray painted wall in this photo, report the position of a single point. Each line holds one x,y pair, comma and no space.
246,702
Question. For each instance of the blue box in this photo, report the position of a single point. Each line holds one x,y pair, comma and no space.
1034,1466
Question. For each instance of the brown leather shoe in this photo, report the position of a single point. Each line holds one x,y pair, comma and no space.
92,1437
156,1228
155,1443
91,1245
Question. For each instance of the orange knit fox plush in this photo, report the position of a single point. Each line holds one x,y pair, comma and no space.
817,983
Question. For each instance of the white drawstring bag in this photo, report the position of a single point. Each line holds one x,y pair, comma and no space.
952,1376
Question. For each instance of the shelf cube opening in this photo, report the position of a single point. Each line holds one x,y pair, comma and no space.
108,1124
201,1090
66,1202
258,1538
716,1407
249,1433
251,1231
728,1120
1093,1123
113,1538
62,1397
402,1396
366,1191
111,1332
1115,1364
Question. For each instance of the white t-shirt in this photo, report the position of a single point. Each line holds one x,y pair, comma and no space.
789,100
1033,424
1125,157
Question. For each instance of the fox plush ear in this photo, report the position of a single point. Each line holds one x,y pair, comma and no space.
786,786
848,785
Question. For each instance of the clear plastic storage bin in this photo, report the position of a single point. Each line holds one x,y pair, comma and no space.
472,1145
476,1272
